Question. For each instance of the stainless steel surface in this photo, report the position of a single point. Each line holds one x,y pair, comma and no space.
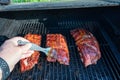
59,5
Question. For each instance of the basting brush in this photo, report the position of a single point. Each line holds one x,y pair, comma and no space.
48,51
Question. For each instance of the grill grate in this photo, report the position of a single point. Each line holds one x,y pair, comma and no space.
107,67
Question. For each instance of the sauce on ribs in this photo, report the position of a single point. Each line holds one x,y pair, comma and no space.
87,45
29,62
58,42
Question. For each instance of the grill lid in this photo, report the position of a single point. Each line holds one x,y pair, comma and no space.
55,4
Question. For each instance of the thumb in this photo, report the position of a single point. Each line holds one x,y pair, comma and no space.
26,47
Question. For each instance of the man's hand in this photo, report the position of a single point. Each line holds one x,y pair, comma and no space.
12,53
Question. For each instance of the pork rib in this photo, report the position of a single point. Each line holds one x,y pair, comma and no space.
88,46
58,42
29,62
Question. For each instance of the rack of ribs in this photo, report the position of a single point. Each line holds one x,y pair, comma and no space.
87,45
58,42
29,62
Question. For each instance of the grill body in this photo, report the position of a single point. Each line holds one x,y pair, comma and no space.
95,20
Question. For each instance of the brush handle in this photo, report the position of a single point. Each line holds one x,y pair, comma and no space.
21,43
34,47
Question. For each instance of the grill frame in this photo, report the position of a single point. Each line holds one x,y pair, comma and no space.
63,22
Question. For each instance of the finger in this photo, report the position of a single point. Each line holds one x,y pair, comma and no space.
30,51
25,55
15,39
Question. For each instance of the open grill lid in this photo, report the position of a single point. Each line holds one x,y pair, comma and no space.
54,4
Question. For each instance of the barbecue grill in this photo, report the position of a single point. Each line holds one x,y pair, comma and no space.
102,22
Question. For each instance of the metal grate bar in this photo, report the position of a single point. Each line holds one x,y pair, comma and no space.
72,22
107,73
73,51
112,46
113,62
108,63
102,71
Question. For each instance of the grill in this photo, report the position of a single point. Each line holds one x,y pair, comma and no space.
42,22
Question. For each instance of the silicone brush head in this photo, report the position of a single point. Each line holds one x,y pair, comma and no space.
52,53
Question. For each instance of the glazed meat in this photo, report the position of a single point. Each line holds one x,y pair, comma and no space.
88,46
58,42
29,62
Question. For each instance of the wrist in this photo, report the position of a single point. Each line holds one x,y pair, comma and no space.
4,69
0,74
11,66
